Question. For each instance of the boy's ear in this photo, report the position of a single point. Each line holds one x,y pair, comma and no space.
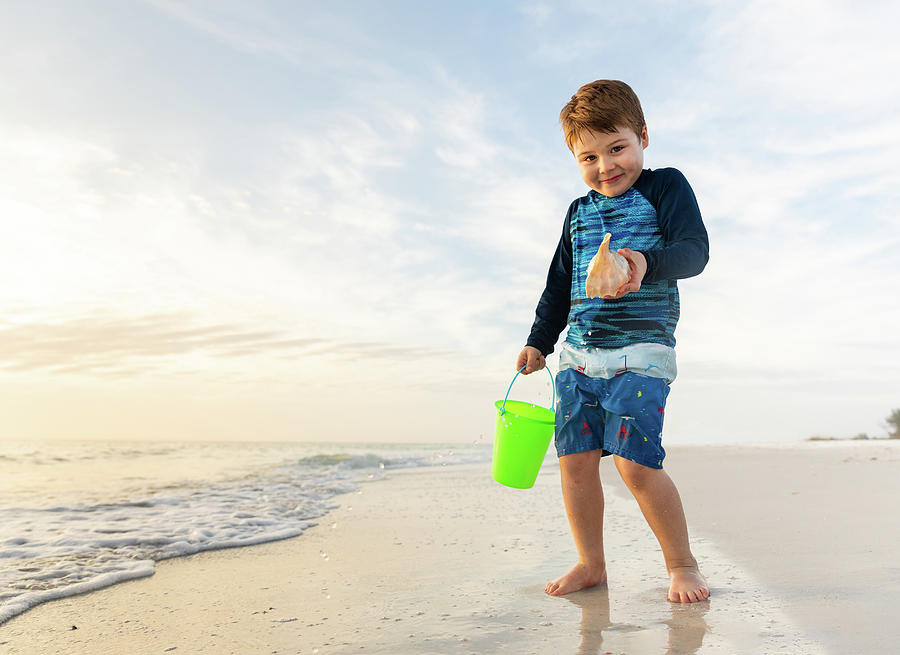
645,140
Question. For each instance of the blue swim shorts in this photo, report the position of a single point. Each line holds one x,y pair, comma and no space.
622,415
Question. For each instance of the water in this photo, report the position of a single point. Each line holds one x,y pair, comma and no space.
79,516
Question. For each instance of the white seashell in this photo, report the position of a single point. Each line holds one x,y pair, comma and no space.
606,273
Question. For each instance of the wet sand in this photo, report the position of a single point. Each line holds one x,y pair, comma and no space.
817,523
798,545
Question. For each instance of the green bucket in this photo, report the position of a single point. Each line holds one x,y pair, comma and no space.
521,439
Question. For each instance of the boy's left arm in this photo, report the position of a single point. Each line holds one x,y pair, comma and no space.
685,249
637,266
686,244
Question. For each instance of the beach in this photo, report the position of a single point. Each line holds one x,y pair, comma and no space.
798,543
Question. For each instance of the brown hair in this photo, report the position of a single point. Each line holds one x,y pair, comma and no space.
601,106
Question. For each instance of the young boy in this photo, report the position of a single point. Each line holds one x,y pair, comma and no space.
618,358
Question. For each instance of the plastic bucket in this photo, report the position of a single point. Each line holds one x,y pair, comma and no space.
521,439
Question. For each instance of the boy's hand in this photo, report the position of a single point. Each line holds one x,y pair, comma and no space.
637,265
531,358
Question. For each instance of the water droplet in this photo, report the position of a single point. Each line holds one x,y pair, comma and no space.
333,526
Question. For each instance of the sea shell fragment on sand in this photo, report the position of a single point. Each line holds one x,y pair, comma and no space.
606,273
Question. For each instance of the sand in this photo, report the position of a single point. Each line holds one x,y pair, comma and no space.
798,544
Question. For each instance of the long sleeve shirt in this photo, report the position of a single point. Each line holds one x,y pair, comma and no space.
657,216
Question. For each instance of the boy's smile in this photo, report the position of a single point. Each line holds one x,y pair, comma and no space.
610,163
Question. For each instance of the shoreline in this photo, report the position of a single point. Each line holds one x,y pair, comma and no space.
446,560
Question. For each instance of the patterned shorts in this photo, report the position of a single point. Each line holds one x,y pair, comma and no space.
622,415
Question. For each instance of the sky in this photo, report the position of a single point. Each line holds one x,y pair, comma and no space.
306,221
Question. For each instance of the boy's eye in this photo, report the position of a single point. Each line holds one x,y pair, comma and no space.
590,158
618,148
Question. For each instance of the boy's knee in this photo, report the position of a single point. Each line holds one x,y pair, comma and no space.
578,465
633,474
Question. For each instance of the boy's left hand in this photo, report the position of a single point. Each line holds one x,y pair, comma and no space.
637,265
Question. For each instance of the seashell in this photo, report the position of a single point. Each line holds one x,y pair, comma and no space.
606,273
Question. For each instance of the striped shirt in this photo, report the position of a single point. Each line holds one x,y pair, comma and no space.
659,217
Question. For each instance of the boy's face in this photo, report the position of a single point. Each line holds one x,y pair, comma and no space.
610,163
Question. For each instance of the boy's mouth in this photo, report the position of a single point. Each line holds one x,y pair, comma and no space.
612,180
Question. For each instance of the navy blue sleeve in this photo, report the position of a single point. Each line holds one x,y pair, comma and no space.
686,248
552,313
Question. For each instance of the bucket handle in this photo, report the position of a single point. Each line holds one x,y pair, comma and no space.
552,386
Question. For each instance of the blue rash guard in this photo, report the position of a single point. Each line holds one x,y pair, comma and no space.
657,216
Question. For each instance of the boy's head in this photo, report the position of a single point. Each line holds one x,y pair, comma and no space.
601,106
604,128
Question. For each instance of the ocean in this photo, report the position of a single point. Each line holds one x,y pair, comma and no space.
80,516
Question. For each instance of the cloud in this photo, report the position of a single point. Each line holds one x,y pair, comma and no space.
362,350
381,205
811,58
252,31
460,121
538,13
125,346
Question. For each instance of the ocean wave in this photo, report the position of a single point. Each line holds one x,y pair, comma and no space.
55,549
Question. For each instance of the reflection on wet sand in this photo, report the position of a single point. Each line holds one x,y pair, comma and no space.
686,627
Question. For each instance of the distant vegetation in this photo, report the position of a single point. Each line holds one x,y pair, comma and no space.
893,427
862,436
893,422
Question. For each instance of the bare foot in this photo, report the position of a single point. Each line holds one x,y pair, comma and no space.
688,585
580,577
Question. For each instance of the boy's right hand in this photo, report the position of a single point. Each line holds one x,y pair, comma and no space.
531,358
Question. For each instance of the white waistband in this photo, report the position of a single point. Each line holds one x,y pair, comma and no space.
651,359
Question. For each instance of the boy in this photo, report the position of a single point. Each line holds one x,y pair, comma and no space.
618,358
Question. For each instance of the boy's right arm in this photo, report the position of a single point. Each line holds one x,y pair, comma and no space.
552,312
532,359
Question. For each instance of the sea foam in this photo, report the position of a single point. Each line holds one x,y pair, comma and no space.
57,549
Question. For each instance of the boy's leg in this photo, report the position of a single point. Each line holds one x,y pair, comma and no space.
661,505
583,496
